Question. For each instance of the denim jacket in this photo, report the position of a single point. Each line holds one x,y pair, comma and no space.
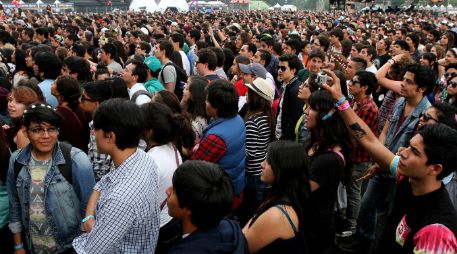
65,203
407,129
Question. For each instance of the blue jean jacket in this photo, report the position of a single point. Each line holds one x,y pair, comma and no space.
407,129
65,203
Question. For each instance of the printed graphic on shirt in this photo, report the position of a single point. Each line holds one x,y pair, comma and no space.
40,231
402,231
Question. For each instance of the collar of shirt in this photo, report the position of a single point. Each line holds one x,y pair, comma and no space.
135,88
118,173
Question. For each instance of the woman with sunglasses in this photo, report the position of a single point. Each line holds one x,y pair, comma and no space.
452,90
328,151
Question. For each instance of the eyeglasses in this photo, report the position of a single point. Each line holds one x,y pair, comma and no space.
353,82
428,117
52,131
452,83
282,67
83,98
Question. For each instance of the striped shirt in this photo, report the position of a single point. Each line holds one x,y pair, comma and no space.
127,217
257,139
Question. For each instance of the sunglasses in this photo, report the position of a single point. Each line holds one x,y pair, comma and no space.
452,83
428,117
282,68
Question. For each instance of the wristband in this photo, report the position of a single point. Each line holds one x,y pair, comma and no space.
340,101
344,106
88,217
391,61
19,246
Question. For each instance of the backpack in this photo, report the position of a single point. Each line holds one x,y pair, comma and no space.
65,169
140,92
181,79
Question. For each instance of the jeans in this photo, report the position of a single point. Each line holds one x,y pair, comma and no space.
253,196
354,192
379,188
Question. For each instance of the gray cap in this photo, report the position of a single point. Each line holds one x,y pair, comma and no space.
254,68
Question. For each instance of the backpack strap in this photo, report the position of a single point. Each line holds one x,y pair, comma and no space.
163,68
288,218
65,169
138,93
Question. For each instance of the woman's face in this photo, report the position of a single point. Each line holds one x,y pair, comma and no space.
235,68
311,118
433,51
451,88
267,175
444,40
186,93
450,57
304,91
238,42
430,116
424,62
15,108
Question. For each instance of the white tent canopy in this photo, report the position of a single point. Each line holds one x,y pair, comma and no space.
289,7
277,6
181,5
146,5
39,2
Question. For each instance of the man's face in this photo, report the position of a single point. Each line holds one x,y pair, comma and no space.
42,136
381,45
315,65
291,25
354,86
103,56
396,50
351,70
398,35
286,49
174,209
25,36
354,52
127,74
413,160
244,51
365,55
284,71
391,36
257,58
86,103
248,78
409,88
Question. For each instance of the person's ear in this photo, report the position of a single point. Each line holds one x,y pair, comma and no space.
435,169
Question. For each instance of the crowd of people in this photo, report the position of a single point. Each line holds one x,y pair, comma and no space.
229,132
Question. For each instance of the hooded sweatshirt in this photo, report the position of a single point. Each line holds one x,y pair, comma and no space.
226,238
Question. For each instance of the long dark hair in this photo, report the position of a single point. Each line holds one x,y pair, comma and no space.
259,106
196,105
330,132
167,126
291,187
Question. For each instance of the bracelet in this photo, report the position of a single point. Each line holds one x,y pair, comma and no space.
344,106
88,217
340,101
391,61
19,246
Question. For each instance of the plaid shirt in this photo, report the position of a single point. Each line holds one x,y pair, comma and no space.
127,217
211,149
368,112
100,162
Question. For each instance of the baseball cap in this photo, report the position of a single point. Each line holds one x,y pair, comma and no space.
264,89
153,63
254,68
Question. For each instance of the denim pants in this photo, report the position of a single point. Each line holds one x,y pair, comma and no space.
253,195
354,191
379,188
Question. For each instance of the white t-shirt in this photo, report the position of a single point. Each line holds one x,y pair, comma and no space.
165,158
372,69
185,62
141,99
